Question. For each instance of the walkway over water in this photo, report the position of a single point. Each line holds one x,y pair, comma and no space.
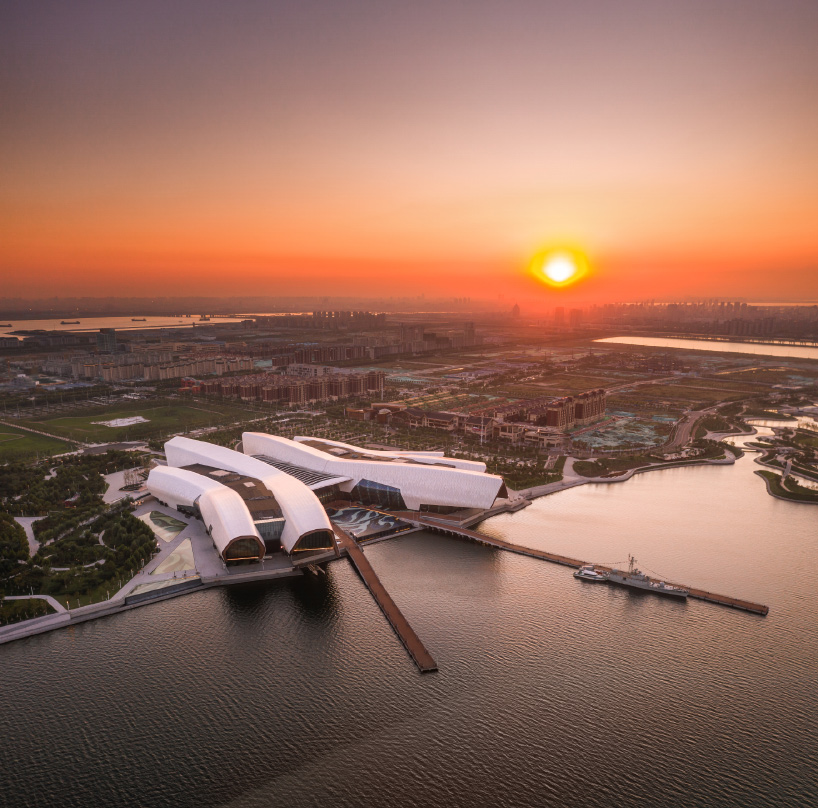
422,658
453,529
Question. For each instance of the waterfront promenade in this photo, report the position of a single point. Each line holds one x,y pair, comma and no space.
416,649
452,528
207,569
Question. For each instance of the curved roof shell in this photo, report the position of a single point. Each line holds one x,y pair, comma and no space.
305,518
432,458
419,482
227,519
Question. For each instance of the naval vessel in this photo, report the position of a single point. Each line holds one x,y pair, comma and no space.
636,579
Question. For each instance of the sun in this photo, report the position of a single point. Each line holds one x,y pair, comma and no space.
559,267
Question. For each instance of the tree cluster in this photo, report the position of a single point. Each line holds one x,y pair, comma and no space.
13,546
28,490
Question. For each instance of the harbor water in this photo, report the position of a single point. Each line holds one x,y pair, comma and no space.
551,691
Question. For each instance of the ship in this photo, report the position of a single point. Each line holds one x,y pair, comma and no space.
588,572
69,322
138,319
636,579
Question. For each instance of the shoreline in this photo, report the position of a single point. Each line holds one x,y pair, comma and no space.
125,600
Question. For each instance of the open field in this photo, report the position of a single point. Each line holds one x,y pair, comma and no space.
806,438
576,383
16,444
778,375
690,391
161,419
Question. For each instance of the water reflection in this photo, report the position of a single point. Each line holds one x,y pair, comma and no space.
297,692
718,345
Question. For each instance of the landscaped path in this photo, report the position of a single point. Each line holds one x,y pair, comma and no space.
27,523
52,601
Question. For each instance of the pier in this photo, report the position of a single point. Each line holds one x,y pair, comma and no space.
454,529
416,649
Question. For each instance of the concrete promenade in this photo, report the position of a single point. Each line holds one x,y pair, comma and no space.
53,602
147,586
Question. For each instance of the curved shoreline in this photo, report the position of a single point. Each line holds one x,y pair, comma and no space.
768,483
520,499
539,491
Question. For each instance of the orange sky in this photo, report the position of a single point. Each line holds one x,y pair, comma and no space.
402,148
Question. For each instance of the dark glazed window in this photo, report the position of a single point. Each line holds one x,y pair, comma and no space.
315,540
245,547
368,492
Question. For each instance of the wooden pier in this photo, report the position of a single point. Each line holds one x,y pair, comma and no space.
453,529
417,650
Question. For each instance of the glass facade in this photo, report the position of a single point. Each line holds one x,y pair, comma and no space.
328,494
243,549
368,492
270,529
440,508
316,540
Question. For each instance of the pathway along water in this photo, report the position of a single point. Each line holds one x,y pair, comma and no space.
550,691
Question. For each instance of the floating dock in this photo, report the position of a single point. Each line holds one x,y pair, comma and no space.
454,529
416,649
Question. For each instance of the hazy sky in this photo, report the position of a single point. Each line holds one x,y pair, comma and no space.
338,147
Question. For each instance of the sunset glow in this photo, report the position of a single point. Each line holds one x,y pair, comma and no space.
559,268
246,154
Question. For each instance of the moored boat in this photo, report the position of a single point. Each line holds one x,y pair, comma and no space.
588,572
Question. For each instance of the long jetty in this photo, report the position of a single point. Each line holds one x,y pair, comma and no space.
454,529
416,649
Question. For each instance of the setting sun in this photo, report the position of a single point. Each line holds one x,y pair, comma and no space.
558,268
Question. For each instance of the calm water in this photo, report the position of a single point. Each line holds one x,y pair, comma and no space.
791,351
551,691
95,323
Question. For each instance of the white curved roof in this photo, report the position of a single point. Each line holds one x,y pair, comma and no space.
223,510
418,457
418,483
179,486
303,513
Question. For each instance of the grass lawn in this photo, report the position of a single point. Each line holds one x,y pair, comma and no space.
16,444
597,468
792,490
161,419
713,423
771,375
805,437
609,465
576,383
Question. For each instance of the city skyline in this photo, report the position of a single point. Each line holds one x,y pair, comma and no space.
281,150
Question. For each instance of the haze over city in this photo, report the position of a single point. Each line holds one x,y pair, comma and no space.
280,148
